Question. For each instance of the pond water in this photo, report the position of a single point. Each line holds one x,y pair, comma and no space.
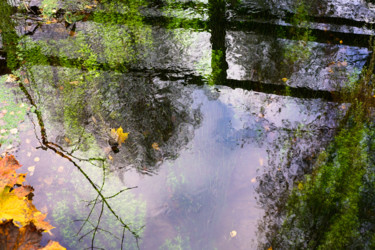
227,105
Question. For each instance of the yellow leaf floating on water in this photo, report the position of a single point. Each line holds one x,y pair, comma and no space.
233,234
119,135
155,146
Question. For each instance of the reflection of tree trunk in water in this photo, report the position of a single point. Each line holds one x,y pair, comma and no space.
10,42
217,25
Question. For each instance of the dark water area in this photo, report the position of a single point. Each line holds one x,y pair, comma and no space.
230,109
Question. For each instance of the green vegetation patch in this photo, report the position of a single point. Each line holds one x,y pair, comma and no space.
325,211
12,113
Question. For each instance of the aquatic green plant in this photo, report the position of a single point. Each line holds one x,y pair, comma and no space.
177,243
333,207
323,210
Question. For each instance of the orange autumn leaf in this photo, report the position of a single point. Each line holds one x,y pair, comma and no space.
40,224
53,245
8,175
15,205
23,191
155,146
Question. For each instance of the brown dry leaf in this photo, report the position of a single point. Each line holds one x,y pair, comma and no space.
72,33
74,82
26,81
12,237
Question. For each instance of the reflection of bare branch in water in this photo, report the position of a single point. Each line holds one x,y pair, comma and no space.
100,198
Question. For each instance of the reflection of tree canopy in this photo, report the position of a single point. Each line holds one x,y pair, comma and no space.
88,103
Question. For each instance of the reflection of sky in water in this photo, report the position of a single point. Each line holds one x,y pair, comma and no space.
203,195
209,189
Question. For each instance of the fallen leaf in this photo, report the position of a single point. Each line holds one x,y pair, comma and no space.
23,191
94,119
261,161
74,82
31,169
67,140
119,135
284,79
233,234
36,159
48,180
155,146
253,180
53,245
13,237
13,131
